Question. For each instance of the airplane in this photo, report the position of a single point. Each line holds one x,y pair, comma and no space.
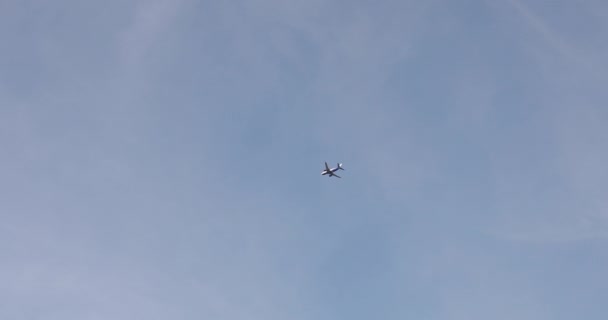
330,172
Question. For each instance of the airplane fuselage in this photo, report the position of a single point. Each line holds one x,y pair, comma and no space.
329,172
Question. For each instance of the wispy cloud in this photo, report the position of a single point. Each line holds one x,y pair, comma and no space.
150,20
184,182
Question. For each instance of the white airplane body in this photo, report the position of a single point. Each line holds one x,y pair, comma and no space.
330,172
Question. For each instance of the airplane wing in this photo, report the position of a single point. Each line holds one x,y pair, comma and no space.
326,167
335,175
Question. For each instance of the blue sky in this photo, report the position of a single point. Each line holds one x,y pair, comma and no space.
161,159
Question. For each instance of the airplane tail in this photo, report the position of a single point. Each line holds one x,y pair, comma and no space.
340,166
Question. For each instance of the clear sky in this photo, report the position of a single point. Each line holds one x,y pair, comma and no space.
161,159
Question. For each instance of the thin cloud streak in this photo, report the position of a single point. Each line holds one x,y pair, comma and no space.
549,35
